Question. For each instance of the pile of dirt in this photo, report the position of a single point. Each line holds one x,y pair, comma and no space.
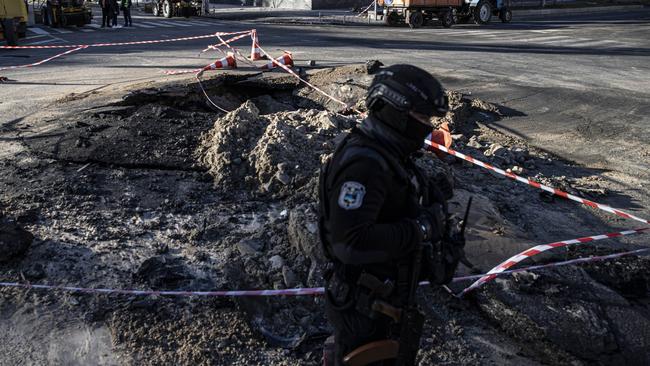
274,153
160,192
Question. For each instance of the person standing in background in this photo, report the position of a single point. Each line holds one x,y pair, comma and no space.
106,12
115,11
126,10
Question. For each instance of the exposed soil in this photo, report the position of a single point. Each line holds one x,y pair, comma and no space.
150,188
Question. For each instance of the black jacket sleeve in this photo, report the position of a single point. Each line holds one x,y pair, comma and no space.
357,238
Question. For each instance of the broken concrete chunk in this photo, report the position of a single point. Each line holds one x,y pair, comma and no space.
276,262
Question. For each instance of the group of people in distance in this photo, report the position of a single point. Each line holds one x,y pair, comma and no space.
111,9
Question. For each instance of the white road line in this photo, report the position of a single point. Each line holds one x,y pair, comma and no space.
600,43
140,25
179,24
36,36
548,39
204,23
558,39
93,25
62,31
160,24
545,31
39,31
86,30
198,24
538,39
41,42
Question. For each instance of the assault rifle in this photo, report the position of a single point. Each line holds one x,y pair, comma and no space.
451,251
444,258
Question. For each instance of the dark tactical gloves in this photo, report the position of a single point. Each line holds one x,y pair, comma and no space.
431,222
441,256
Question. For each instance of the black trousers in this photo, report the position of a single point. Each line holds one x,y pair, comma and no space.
127,17
106,17
353,329
114,18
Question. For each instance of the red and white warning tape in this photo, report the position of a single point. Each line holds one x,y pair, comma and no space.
43,61
558,264
286,292
287,69
529,253
537,184
74,48
212,35
225,43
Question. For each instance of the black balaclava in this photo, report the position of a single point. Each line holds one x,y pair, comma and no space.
395,92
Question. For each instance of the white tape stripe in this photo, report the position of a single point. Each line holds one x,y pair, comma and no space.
290,292
536,184
514,260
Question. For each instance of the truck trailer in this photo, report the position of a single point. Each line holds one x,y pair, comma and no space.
416,13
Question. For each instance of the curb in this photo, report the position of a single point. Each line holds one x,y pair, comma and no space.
288,16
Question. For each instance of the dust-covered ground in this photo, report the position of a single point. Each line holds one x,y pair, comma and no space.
149,188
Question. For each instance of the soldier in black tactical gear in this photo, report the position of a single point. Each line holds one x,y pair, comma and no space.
377,209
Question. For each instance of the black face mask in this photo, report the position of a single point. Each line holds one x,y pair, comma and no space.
403,143
417,131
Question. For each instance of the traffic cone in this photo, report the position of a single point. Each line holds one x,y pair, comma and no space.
228,62
256,53
285,59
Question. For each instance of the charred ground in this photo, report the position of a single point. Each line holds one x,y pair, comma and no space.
151,188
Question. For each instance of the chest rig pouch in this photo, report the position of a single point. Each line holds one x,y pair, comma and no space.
349,286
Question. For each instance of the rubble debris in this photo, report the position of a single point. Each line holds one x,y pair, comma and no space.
179,197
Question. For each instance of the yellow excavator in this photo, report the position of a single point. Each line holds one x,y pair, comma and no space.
63,13
13,20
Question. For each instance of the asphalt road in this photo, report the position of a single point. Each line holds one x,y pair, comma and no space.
577,86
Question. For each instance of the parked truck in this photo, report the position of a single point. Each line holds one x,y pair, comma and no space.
13,20
416,13
176,8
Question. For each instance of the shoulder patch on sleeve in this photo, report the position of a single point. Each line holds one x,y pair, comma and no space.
351,196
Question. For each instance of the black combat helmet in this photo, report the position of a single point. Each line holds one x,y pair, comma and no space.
405,97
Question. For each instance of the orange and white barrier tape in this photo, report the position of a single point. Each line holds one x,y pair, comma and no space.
538,185
43,61
529,253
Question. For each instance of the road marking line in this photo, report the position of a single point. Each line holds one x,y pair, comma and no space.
545,31
39,31
140,25
93,25
204,22
548,39
600,43
36,36
41,42
180,24
200,24
161,24
62,31
86,30
538,39
559,39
